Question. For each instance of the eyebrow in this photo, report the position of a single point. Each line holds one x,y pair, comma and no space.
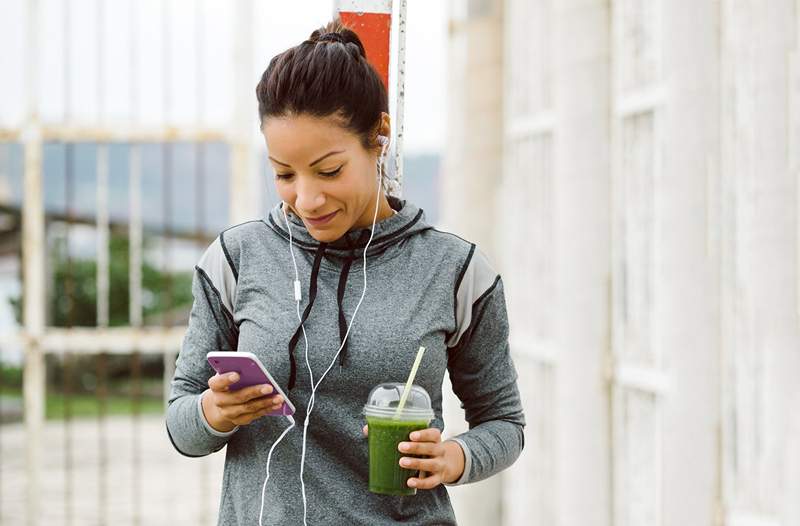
312,164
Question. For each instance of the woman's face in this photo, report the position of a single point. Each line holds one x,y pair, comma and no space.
323,173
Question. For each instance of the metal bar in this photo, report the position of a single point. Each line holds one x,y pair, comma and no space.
10,135
115,340
136,482
135,238
123,133
242,201
166,240
206,510
166,201
401,96
135,133
101,373
33,261
5,175
69,294
135,261
103,233
103,277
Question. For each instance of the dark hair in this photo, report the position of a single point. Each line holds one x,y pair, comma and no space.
326,75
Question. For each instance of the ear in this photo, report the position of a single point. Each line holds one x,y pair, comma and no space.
385,127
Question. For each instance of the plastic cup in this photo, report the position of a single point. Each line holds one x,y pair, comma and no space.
387,430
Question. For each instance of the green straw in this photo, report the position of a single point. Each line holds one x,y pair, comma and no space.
410,380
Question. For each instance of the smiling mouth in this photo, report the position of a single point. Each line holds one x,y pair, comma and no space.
321,219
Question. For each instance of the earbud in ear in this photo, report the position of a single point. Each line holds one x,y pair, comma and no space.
383,140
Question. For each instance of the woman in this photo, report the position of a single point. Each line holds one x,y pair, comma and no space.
323,108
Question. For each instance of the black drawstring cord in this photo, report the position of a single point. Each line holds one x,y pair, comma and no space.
340,292
312,294
340,296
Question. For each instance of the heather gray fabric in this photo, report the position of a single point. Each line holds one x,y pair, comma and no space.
425,287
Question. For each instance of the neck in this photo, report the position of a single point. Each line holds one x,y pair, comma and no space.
384,212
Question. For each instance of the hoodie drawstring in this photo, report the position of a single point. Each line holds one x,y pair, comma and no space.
312,295
340,293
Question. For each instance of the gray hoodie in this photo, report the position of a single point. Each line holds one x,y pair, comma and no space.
425,287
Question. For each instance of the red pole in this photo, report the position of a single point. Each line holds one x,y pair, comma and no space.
372,22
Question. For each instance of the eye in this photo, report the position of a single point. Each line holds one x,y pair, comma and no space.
283,177
331,174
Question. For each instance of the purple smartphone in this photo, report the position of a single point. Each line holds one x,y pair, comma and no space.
251,372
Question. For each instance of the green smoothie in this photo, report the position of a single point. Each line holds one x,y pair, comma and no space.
386,476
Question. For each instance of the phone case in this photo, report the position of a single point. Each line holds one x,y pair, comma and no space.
251,372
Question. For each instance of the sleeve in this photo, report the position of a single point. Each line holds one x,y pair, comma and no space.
211,328
482,373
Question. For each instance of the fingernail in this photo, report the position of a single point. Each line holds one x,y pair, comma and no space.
403,446
412,483
404,462
414,436
233,377
266,389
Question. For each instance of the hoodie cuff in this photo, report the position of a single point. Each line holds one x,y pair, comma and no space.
205,422
467,462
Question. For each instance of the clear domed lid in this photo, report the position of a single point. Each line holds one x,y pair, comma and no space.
384,399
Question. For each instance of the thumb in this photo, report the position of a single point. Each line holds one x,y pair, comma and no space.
365,430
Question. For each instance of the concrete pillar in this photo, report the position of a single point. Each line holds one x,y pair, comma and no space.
473,155
581,307
470,179
688,263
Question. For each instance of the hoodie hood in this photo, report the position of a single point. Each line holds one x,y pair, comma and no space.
408,221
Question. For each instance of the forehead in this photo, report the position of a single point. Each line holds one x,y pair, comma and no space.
299,137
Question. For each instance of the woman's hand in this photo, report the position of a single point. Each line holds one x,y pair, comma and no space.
225,409
446,462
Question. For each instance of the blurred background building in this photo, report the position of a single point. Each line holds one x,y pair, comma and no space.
632,168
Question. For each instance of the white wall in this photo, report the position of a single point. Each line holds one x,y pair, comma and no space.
648,235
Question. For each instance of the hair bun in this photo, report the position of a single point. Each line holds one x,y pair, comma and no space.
332,37
335,31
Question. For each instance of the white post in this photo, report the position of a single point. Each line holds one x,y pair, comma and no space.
400,96
33,252
244,197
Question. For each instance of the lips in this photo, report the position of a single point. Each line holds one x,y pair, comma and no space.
321,220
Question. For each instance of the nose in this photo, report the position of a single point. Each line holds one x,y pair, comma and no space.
309,198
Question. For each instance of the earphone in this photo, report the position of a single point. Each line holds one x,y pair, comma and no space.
384,142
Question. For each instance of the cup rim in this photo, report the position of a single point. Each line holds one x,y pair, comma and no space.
405,415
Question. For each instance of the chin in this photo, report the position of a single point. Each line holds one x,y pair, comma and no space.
324,236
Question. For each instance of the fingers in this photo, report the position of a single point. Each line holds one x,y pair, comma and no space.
246,413
241,396
221,382
429,482
432,434
420,448
428,443
431,465
365,430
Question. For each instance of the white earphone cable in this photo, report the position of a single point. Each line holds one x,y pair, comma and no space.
269,457
297,297
314,386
